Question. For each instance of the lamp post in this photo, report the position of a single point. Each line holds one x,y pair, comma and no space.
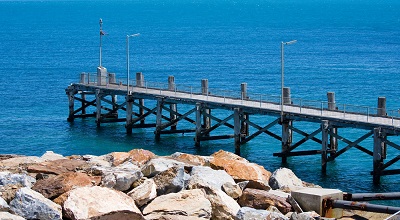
127,60
283,71
101,34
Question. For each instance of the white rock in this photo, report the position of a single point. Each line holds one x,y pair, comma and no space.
205,176
102,161
16,161
144,193
50,156
284,177
118,178
99,202
7,178
9,216
4,207
223,206
247,213
33,205
232,190
186,203
157,165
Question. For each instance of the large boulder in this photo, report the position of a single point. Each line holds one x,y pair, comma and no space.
239,168
141,156
118,158
55,186
20,161
100,203
120,178
7,178
247,213
158,165
33,205
285,178
50,155
144,193
192,159
58,166
223,206
232,190
184,203
171,180
207,177
9,216
261,199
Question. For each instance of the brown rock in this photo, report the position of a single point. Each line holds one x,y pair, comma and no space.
8,191
119,158
55,186
191,159
239,168
57,166
141,156
260,199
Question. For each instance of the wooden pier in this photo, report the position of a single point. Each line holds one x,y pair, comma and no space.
329,116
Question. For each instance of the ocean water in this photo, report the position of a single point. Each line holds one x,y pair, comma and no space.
347,47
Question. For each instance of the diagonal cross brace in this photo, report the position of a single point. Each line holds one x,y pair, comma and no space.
179,115
219,124
306,138
266,131
350,144
177,119
262,130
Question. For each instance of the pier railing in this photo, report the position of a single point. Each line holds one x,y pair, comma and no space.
297,105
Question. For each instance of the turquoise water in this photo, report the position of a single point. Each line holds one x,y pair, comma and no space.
347,47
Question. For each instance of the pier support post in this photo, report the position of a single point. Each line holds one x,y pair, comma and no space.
173,107
236,128
101,76
140,83
98,107
129,105
111,78
204,91
287,134
381,106
324,132
82,78
244,126
198,125
333,142
378,152
83,96
71,103
157,132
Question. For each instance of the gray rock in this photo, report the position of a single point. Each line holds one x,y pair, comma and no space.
157,165
243,184
171,180
205,176
9,216
4,207
185,203
284,177
144,193
118,178
50,155
232,190
7,178
247,213
304,216
224,207
33,205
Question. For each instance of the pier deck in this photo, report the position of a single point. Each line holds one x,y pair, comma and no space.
378,122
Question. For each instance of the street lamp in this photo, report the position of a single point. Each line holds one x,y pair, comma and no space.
127,59
282,72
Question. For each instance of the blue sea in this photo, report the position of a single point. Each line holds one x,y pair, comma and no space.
350,47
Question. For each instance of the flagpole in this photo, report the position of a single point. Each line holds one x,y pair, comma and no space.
101,34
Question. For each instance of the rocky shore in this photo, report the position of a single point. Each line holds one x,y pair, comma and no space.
141,185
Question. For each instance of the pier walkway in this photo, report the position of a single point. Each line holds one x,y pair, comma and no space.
378,123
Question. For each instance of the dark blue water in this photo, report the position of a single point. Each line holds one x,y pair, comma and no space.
347,47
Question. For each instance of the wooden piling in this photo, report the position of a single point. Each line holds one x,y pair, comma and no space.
236,129
173,107
129,112
324,134
381,106
244,130
83,96
159,119
98,107
140,83
377,155
287,133
111,78
82,78
198,125
71,104
333,142
205,91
